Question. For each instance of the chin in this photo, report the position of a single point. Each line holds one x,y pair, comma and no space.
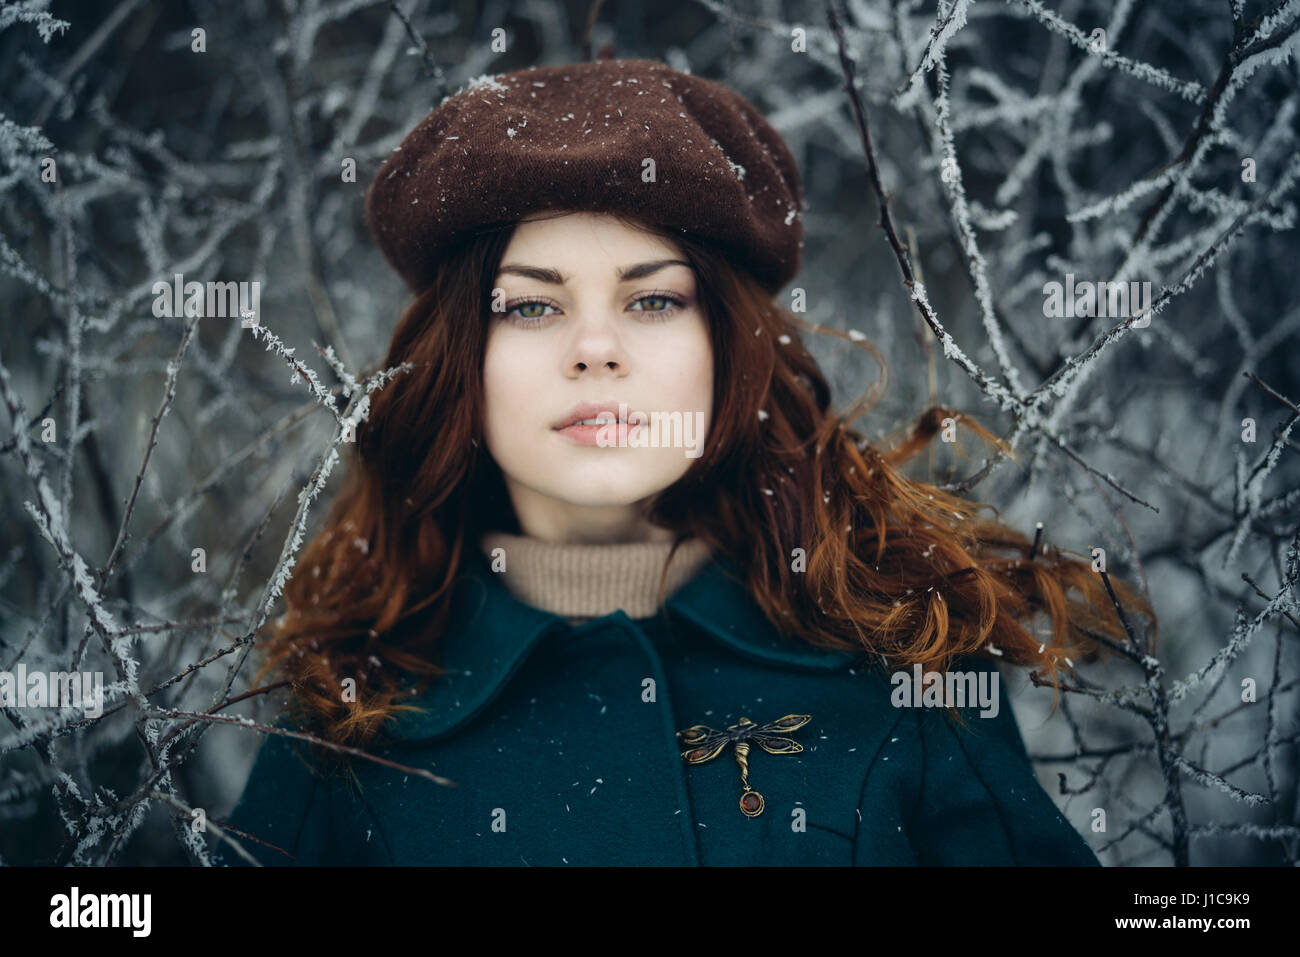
610,491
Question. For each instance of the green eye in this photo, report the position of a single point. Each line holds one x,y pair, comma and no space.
666,305
655,306
516,314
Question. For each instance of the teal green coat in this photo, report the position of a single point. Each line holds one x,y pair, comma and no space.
563,743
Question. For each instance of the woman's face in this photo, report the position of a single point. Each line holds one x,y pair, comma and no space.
587,310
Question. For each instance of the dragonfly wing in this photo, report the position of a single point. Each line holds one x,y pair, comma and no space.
695,734
707,749
776,744
791,722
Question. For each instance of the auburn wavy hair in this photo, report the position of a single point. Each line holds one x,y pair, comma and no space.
837,546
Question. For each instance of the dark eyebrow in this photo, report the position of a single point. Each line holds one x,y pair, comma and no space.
625,274
641,270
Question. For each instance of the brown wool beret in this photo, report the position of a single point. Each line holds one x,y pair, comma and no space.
576,137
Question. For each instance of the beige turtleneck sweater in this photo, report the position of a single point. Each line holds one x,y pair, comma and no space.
580,582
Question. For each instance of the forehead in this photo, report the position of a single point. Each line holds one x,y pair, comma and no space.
579,236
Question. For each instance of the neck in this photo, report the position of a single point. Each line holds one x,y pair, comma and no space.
581,581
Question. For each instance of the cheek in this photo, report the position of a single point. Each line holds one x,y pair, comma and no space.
504,381
694,364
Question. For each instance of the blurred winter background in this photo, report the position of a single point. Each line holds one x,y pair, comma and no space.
1019,141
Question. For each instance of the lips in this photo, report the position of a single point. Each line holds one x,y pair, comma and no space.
591,410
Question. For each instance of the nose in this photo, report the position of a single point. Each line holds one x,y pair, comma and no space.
596,348
609,364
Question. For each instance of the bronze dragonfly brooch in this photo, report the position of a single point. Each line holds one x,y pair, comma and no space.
705,744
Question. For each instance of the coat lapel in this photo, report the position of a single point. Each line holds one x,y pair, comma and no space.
717,602
491,634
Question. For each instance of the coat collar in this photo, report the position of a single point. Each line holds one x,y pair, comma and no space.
491,633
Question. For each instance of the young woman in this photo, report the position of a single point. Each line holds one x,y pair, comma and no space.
698,628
